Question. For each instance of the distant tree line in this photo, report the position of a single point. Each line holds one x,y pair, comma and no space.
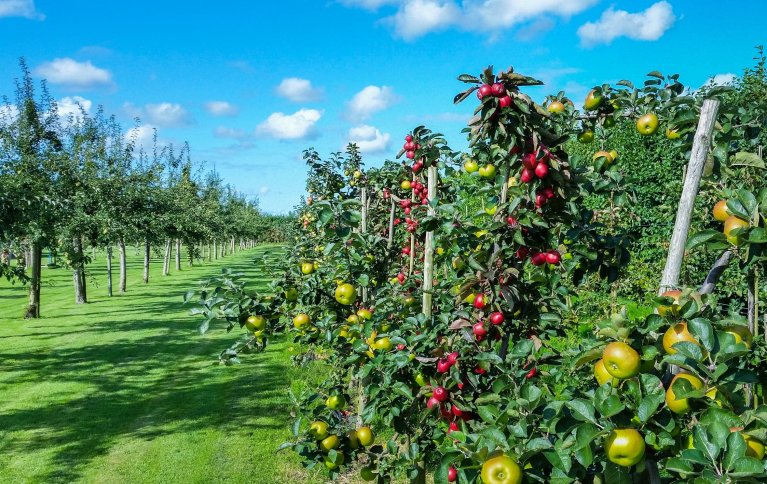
70,182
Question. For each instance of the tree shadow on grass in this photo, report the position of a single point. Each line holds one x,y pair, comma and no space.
127,396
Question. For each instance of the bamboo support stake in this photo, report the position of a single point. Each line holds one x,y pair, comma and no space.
428,256
390,242
412,235
700,147
364,229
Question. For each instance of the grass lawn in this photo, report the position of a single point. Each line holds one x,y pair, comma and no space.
124,389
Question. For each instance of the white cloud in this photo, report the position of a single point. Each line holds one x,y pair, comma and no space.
299,90
264,190
8,113
649,24
68,72
722,79
73,106
20,8
299,125
369,101
167,115
143,138
369,139
164,115
535,29
224,132
221,108
416,18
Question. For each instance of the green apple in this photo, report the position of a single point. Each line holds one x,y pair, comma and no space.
647,124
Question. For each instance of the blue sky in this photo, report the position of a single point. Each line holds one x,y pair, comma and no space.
250,84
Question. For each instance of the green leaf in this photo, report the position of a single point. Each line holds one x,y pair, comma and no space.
325,215
704,237
748,466
681,466
615,474
736,449
582,410
743,158
703,331
648,406
607,404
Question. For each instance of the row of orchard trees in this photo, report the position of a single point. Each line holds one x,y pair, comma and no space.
441,294
73,182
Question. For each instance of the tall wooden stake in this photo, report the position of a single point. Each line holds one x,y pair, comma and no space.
428,255
364,229
700,148
390,242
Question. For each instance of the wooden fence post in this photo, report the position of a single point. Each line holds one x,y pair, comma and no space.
364,229
700,148
428,255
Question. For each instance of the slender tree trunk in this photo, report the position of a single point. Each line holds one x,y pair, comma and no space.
232,251
178,254
109,270
215,249
210,251
166,260
78,272
190,255
123,266
147,253
35,264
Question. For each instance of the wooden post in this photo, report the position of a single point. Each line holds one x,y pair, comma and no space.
390,242
364,229
411,266
428,250
700,148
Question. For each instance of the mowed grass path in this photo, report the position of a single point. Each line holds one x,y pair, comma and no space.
124,389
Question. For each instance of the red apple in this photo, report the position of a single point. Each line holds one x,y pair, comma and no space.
484,90
540,200
400,347
548,192
497,318
452,474
538,259
553,257
498,89
504,102
479,301
409,146
443,366
479,330
440,394
431,403
521,253
457,411
410,155
452,358
408,138
529,161
526,176
453,427
541,170
511,221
